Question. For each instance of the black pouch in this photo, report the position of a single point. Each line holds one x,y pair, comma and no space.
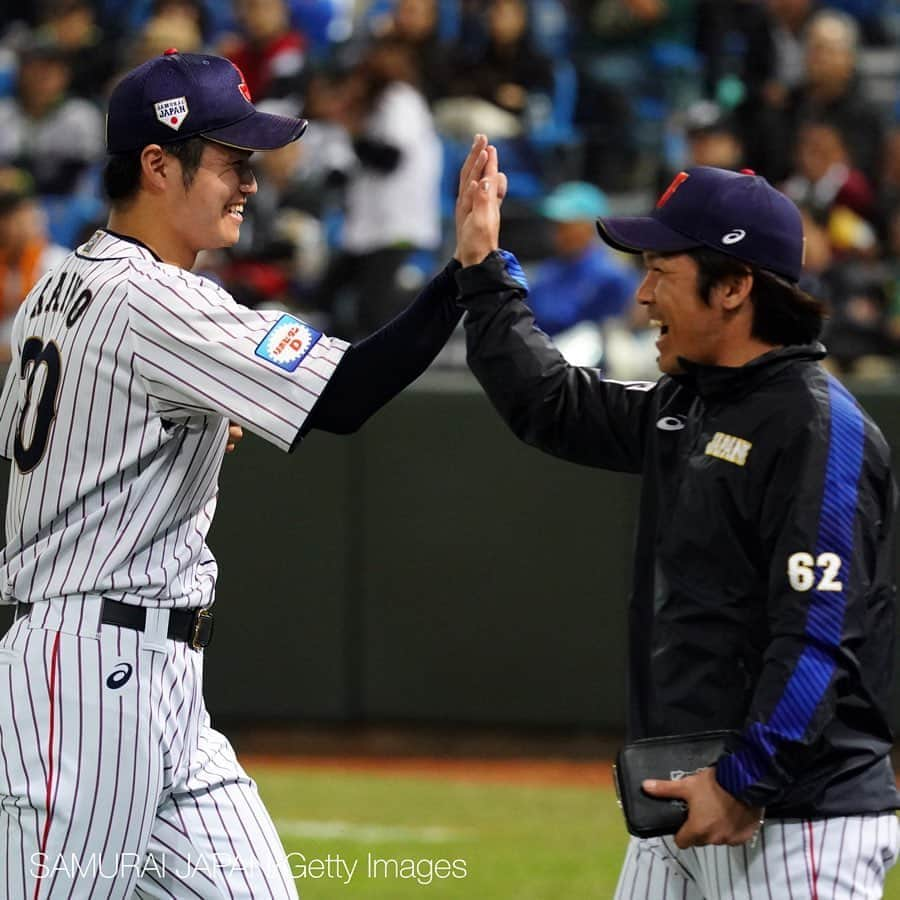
667,759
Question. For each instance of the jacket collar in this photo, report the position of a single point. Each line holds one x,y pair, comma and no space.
719,382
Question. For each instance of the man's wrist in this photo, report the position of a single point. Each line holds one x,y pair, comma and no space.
498,271
471,260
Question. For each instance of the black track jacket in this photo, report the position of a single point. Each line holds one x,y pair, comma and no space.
763,596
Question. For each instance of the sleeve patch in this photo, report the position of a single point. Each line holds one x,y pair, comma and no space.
287,343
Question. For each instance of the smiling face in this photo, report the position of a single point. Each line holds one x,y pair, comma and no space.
208,213
688,327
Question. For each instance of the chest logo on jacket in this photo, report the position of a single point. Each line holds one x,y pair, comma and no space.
670,423
728,447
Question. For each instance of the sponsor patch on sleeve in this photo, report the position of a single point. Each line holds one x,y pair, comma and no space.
287,343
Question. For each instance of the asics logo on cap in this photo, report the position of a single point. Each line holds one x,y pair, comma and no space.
734,236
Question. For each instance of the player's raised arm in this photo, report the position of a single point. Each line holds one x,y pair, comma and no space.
379,367
274,374
567,411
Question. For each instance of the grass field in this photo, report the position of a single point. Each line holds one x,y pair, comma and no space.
442,836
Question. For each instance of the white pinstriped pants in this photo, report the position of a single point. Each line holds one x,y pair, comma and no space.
113,786
823,859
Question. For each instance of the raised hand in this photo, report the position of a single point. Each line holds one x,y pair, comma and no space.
482,188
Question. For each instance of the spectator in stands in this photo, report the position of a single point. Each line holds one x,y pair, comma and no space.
415,23
72,25
736,41
582,281
863,329
52,135
271,54
327,155
838,196
831,91
125,18
713,137
509,69
26,251
842,261
789,21
194,10
492,86
635,64
392,189
172,25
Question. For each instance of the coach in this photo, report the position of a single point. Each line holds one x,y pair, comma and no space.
762,596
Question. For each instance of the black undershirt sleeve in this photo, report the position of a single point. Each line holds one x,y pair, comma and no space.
377,368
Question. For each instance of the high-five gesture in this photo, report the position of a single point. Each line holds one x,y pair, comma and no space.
482,188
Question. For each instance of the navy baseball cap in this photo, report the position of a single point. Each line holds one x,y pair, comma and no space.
738,213
181,95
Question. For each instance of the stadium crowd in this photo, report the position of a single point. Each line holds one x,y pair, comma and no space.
594,105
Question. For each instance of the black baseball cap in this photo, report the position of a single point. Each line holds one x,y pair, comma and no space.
181,95
738,213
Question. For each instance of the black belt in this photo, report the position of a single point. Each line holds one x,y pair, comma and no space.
193,626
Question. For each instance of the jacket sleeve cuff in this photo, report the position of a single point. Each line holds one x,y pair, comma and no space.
452,267
744,773
499,272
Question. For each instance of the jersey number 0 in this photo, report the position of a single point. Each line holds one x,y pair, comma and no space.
34,353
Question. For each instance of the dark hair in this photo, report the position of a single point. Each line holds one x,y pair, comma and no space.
122,175
782,312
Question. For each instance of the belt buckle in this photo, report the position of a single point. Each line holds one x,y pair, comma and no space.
201,633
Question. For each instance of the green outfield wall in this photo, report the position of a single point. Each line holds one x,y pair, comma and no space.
431,568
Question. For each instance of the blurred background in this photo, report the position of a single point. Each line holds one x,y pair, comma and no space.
594,105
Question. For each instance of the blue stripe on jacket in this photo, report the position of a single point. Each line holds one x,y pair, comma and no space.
812,674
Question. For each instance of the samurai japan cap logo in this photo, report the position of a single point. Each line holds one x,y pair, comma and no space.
172,112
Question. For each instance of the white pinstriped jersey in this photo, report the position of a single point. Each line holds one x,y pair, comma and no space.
124,375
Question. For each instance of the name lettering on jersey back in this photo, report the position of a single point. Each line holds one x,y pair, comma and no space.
58,296
728,447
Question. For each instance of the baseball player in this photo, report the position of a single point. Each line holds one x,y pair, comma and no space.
126,370
763,600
